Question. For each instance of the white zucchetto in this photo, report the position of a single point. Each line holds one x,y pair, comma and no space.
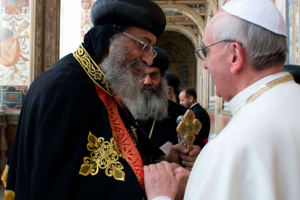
260,12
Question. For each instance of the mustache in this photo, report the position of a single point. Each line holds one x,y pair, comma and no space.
140,66
149,87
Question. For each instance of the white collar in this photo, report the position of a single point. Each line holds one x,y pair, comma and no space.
193,105
240,99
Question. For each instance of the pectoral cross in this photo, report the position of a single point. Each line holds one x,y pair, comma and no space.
188,128
134,134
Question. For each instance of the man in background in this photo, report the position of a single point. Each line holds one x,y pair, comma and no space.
173,83
256,156
188,98
157,115
294,70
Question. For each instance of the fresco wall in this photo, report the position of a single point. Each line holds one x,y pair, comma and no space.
16,37
86,23
293,28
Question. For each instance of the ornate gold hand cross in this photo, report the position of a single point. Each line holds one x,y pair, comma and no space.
188,128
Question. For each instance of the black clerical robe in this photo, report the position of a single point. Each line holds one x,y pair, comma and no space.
165,130
75,140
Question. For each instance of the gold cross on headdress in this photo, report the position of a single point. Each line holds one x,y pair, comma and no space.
188,128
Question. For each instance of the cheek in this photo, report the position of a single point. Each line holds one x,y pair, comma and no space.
216,77
155,84
216,69
221,79
134,55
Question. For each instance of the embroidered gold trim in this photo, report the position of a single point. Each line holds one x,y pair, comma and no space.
269,86
92,69
9,195
122,137
4,175
104,155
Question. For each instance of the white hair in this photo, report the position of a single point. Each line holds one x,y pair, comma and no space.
120,77
263,48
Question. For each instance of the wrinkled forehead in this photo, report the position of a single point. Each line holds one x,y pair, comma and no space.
152,69
143,34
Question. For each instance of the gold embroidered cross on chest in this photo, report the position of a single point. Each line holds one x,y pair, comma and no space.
104,155
188,128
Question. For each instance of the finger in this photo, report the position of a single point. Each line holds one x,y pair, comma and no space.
189,158
196,150
180,148
179,170
165,166
153,167
188,164
174,165
160,166
189,168
184,150
179,176
182,170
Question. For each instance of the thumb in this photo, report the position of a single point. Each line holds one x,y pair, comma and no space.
179,176
180,148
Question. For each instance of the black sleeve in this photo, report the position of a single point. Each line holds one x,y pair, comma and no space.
47,152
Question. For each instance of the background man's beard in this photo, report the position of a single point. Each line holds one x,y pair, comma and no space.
120,77
151,105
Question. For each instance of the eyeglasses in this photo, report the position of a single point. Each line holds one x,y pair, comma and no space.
153,75
145,47
202,52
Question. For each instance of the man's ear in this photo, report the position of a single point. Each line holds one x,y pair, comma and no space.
236,57
191,98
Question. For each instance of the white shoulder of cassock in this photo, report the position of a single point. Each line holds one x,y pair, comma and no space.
161,198
257,155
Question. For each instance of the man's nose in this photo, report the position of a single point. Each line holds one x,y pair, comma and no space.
147,80
147,58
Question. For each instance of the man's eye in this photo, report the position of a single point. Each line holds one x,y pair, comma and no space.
146,47
154,75
140,45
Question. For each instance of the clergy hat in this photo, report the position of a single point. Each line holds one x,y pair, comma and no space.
162,59
260,12
172,80
294,70
145,14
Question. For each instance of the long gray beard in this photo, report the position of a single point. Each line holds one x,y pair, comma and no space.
151,105
121,79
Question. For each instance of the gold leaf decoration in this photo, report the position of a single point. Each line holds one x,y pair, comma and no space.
9,195
104,155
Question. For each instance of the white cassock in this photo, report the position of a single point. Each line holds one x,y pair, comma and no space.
257,155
